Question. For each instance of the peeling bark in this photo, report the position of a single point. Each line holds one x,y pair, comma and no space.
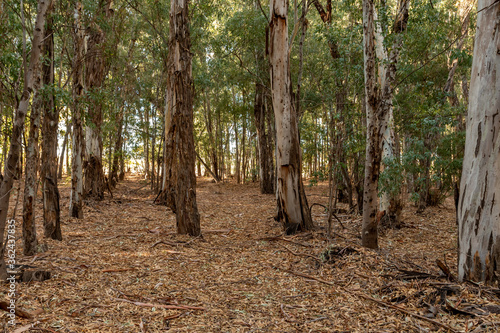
378,102
293,211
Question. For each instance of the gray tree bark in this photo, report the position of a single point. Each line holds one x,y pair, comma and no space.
478,210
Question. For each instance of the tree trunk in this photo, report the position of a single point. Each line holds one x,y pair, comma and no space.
63,150
118,152
478,210
293,211
266,165
48,174
180,153
18,126
237,150
243,173
146,145
95,72
378,100
76,200
30,183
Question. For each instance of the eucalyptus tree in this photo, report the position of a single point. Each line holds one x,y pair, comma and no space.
378,95
77,154
293,210
179,152
94,76
48,172
478,210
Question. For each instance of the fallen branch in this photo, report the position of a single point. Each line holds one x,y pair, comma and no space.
332,213
437,323
161,306
301,254
445,270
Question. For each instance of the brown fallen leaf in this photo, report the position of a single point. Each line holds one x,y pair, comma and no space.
23,328
19,312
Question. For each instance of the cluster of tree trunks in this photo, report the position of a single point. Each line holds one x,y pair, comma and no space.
33,70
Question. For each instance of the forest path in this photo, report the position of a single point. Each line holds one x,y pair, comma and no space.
123,269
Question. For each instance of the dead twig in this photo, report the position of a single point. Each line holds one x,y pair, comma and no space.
437,323
332,213
275,238
286,315
164,242
301,254
445,270
111,270
161,306
304,275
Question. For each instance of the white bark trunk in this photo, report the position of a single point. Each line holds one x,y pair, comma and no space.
478,210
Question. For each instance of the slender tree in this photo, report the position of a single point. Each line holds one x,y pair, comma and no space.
378,100
76,200
293,211
48,174
180,154
31,166
478,210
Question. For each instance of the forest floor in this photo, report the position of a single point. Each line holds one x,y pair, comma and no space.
123,269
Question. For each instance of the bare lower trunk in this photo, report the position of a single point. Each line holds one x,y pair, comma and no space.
113,179
266,165
478,210
76,200
293,211
30,184
180,153
17,130
94,181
